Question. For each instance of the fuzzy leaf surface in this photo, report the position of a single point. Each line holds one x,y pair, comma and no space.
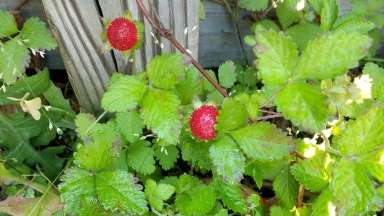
228,159
165,71
123,93
160,112
332,54
304,105
277,56
263,141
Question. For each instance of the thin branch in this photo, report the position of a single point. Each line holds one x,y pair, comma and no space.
300,197
159,28
156,24
262,118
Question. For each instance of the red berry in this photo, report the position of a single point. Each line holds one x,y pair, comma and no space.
202,122
122,34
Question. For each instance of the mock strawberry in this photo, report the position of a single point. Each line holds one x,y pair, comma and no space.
202,122
122,34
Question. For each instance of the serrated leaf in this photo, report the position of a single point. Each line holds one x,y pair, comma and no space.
207,85
157,193
353,24
130,125
98,154
265,170
376,73
196,153
350,180
36,85
263,141
313,172
117,191
7,23
14,57
36,35
190,86
363,135
77,185
323,204
140,158
164,71
302,33
286,188
227,74
287,12
198,200
329,12
227,159
304,105
83,122
277,57
254,5
160,114
167,156
231,196
232,115
332,54
123,93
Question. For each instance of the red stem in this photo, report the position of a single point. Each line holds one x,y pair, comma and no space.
158,27
156,24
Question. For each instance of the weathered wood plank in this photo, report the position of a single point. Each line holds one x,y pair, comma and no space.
177,15
219,38
77,26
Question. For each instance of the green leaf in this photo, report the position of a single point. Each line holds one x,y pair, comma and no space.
353,24
197,200
322,206
227,74
263,141
231,195
376,73
117,190
278,211
227,159
286,188
39,84
277,57
265,170
130,125
232,115
167,156
76,187
36,35
329,12
196,153
165,71
157,193
140,158
287,13
351,181
313,172
7,23
302,33
207,85
304,105
161,116
98,154
14,57
83,122
363,135
332,54
123,93
190,86
55,98
254,5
